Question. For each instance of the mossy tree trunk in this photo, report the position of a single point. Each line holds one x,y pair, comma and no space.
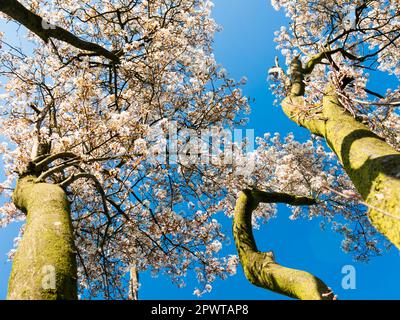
44,266
260,268
371,163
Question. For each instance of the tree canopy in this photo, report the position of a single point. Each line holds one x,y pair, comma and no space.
122,112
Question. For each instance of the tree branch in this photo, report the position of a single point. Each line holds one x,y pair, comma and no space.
260,268
56,169
37,25
50,158
99,188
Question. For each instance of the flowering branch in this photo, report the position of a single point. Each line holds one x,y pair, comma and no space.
371,163
34,23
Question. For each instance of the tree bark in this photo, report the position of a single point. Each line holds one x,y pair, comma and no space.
44,266
45,31
372,164
133,283
260,268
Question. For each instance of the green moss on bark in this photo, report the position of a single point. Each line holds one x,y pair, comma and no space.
260,268
372,164
47,245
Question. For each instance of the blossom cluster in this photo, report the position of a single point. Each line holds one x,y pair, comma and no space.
366,40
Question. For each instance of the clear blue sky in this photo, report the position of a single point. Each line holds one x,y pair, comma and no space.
245,47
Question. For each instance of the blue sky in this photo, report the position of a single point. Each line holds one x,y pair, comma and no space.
245,47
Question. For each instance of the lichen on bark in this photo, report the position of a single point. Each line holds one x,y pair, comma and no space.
260,268
44,265
371,163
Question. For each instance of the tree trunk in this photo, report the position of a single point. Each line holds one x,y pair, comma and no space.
372,164
260,268
133,283
44,266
